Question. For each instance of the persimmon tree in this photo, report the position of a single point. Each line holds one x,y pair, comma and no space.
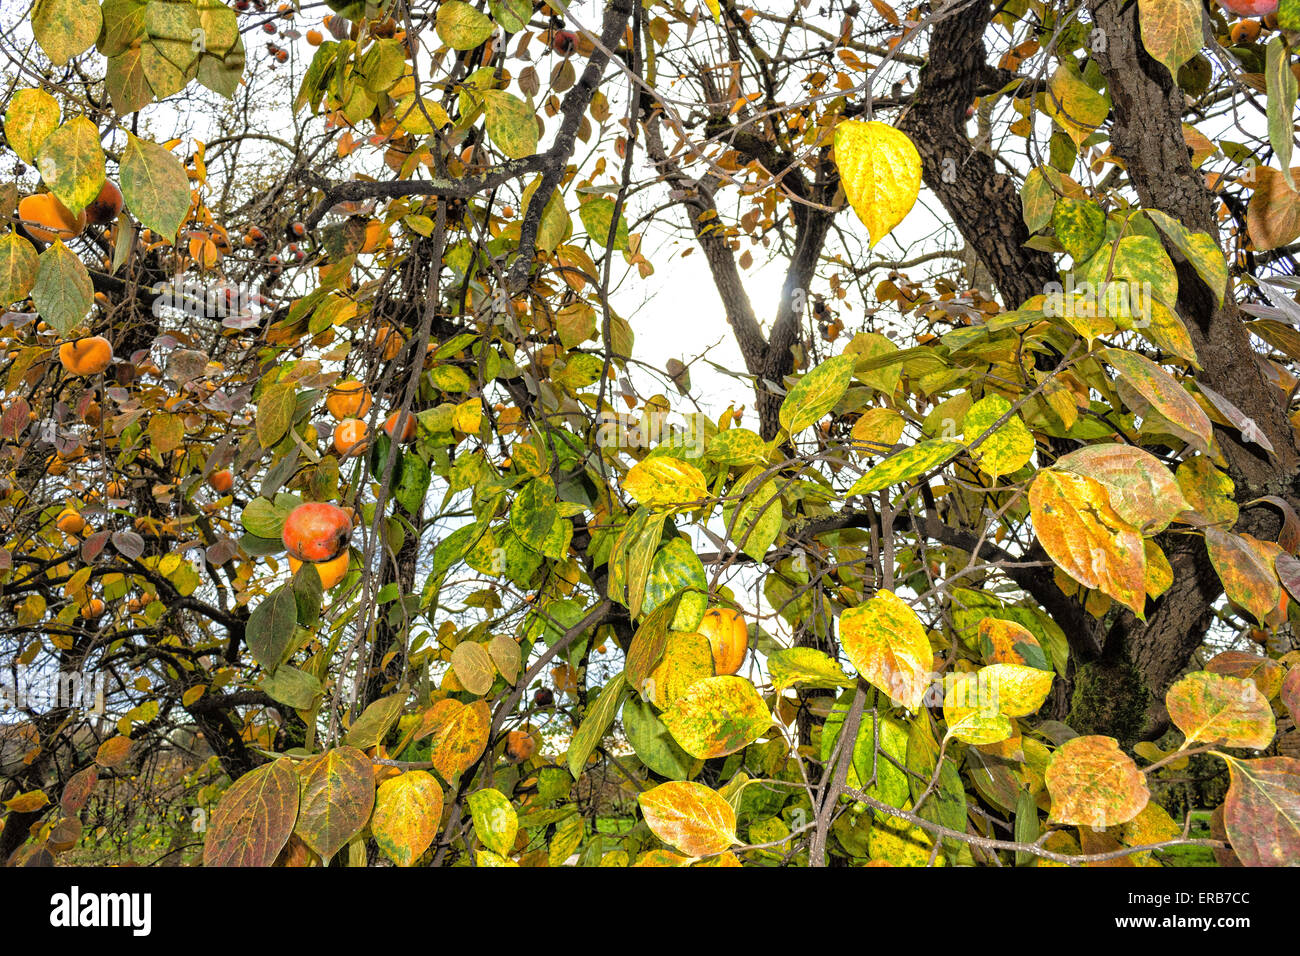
330,455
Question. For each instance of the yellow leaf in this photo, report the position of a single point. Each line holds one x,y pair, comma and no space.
690,817
662,481
1082,533
887,644
880,170
878,428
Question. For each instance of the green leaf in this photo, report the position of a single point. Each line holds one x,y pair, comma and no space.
816,393
169,50
412,482
1075,106
369,729
903,467
221,73
737,446
1282,89
265,518
511,123
127,85
677,569
1008,448
595,724
513,15
1080,226
63,293
597,216
338,793
155,187
270,628
71,162
292,687
473,666
275,412
1199,248
1142,263
652,742
495,820
757,520
1037,200
219,24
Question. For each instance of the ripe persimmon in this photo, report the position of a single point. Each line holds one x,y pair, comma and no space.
221,481
47,219
1250,8
728,638
1245,31
349,399
348,434
70,521
315,38
407,426
92,609
87,356
106,206
317,531
389,341
331,572
520,745
563,42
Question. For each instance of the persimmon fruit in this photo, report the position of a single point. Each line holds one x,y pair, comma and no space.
1250,8
350,399
106,206
520,745
389,342
70,522
563,42
88,356
348,435
317,531
407,429
221,481
47,219
331,572
728,638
